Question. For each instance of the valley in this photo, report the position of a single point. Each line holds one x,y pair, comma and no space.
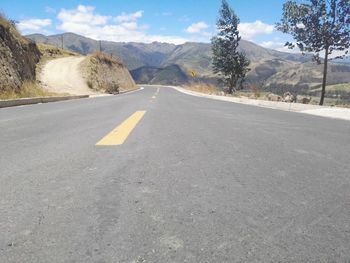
169,64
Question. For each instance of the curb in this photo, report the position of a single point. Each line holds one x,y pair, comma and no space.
29,101
321,111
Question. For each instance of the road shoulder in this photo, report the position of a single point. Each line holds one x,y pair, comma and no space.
323,111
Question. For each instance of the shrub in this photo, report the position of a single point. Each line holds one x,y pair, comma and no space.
255,90
104,58
112,88
89,84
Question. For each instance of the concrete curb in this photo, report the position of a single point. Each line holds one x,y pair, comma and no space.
28,101
322,111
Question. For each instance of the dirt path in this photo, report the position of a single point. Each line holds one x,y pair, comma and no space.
62,75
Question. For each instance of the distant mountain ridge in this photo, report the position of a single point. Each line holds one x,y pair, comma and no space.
169,75
269,67
156,54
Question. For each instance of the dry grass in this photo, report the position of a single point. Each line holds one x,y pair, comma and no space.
203,88
30,89
5,22
51,52
108,59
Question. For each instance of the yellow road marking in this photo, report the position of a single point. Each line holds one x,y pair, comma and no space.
153,97
121,133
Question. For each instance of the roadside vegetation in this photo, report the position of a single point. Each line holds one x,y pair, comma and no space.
229,64
104,58
50,52
11,26
318,26
252,92
29,89
204,88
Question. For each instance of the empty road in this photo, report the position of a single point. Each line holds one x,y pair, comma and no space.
160,176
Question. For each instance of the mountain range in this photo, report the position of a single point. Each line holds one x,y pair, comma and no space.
163,63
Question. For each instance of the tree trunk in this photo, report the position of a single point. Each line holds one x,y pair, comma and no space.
232,84
230,89
324,83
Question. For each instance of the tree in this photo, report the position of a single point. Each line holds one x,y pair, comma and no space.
318,26
228,63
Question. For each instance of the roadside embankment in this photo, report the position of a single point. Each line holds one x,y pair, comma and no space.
106,74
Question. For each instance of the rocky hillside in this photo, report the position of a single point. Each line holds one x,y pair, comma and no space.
106,74
18,58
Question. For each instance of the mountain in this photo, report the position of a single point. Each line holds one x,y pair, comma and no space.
147,61
169,75
345,60
159,54
134,55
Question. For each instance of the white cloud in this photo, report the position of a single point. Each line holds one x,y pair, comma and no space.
196,28
33,25
250,30
124,17
125,27
81,15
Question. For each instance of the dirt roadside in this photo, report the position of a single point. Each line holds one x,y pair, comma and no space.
63,75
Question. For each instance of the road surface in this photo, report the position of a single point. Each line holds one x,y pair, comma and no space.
190,180
62,75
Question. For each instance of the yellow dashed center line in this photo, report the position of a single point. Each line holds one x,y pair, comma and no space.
121,133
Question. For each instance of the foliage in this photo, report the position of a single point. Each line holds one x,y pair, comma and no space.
228,63
112,88
318,26
29,89
108,59
50,51
203,88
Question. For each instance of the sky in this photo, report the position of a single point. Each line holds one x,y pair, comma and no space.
172,21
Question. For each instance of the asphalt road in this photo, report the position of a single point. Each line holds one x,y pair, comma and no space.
197,180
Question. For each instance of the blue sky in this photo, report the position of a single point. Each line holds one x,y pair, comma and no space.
174,21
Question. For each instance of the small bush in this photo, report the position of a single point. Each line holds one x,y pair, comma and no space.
112,88
104,58
89,84
11,25
203,88
255,90
51,51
